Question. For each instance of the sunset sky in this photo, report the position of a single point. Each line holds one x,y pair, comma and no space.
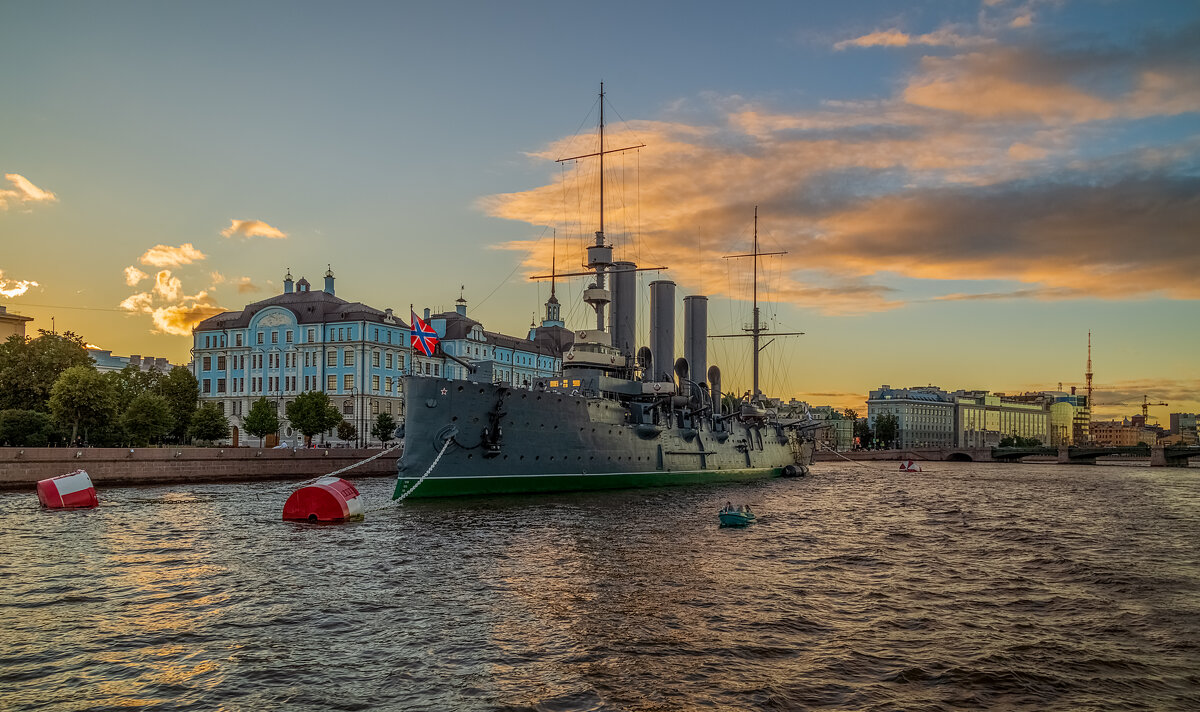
963,189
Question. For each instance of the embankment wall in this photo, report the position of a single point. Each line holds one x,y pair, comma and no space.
21,468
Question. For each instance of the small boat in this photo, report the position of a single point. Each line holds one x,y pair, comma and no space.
740,517
909,466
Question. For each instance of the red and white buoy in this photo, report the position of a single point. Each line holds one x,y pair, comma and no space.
329,499
73,490
909,466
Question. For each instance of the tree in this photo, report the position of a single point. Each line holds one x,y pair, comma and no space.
147,419
311,413
384,428
346,431
29,367
208,423
25,428
131,381
262,419
82,397
862,431
887,428
850,414
182,392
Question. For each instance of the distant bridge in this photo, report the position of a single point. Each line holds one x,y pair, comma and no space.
1169,456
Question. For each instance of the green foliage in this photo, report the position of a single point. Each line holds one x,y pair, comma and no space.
311,413
147,419
131,381
82,397
182,392
208,423
887,428
1018,441
25,428
384,428
346,431
850,414
261,420
30,367
862,431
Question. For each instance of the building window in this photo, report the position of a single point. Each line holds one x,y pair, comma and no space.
375,359
207,386
341,335
260,339
312,333
388,359
347,381
387,407
427,369
375,383
220,385
347,407
331,357
400,361
288,337
374,407
348,357
207,363
220,363
435,369
274,337
237,339
331,383
387,385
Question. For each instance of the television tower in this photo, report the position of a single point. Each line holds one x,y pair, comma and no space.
1088,379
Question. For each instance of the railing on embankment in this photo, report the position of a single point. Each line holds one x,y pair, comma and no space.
22,467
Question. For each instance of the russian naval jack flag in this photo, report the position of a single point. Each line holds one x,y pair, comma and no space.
424,338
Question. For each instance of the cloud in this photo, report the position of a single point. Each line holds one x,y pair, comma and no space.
133,275
167,256
246,286
176,318
253,228
944,37
14,287
23,192
975,170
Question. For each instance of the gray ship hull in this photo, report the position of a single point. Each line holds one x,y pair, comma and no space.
491,439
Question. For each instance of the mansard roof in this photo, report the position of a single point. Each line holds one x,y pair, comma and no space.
309,308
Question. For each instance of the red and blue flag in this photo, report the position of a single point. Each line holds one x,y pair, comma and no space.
424,338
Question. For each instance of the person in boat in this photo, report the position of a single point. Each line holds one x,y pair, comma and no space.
748,509
728,507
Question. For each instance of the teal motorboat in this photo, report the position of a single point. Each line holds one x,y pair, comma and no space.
736,517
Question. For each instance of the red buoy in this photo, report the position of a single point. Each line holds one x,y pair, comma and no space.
73,490
329,499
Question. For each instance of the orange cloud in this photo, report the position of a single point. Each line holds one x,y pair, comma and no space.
246,285
944,37
133,275
23,192
167,256
14,287
253,228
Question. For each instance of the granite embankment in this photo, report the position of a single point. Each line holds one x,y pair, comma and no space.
21,468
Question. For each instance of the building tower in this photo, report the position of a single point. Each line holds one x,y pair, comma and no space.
287,282
1087,376
329,280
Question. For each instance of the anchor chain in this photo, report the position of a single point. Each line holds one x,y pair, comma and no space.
402,497
347,468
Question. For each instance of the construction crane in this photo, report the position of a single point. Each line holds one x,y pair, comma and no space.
1146,407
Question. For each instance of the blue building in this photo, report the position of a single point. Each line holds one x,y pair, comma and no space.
304,340
511,359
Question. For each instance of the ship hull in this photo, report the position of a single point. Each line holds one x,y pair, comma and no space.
508,441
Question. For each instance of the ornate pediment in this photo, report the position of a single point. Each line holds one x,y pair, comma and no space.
277,318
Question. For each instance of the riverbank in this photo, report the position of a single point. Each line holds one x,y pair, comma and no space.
22,468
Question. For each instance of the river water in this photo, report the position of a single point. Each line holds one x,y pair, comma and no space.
966,586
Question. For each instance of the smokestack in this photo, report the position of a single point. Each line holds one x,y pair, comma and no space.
695,335
662,327
623,310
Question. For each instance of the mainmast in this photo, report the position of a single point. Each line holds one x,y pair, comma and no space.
756,329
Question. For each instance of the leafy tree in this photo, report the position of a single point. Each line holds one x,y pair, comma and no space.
1015,440
82,397
29,367
131,381
182,392
346,431
311,413
384,428
862,431
147,419
25,428
850,414
208,423
261,420
887,428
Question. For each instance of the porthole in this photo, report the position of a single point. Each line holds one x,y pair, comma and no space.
460,388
